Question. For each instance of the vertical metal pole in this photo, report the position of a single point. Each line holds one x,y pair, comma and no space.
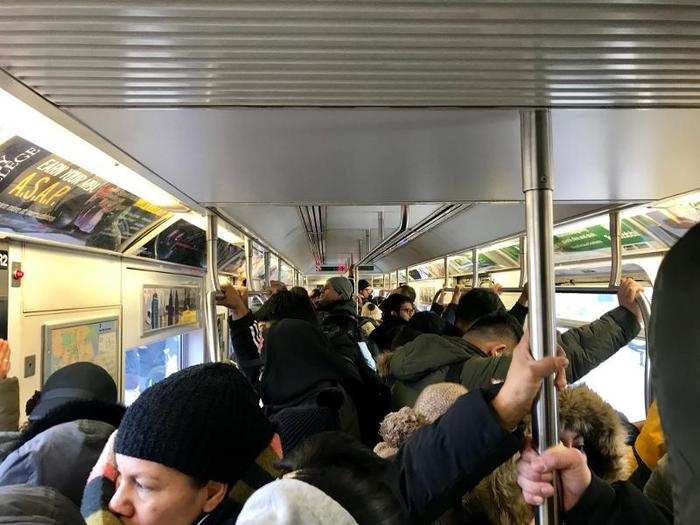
380,227
536,139
615,248
267,268
447,279
522,258
249,263
475,268
212,289
368,240
360,250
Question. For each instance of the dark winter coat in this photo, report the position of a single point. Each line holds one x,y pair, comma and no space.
443,461
618,503
385,333
433,359
59,449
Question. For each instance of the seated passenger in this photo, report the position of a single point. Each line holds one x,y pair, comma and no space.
481,357
190,450
397,310
70,421
673,337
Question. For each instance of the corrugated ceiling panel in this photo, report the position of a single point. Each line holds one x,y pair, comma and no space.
354,53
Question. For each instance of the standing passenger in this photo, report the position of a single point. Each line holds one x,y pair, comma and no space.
191,449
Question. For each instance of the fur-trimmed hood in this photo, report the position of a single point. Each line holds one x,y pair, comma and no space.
584,412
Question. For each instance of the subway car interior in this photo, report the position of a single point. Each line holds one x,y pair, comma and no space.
170,170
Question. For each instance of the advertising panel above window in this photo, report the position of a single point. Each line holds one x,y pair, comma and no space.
44,195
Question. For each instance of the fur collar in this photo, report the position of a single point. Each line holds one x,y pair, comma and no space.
110,413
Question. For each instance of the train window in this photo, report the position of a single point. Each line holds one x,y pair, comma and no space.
147,364
286,273
232,259
427,279
402,277
501,256
620,379
258,267
48,197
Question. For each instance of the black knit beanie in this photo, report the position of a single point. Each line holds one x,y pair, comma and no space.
203,421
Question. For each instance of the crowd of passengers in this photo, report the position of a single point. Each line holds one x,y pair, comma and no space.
393,416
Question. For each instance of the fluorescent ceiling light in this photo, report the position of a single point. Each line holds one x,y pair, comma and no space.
200,221
23,120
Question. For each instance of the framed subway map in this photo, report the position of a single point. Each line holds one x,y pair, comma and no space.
93,340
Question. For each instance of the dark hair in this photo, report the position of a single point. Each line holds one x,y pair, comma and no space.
287,305
315,293
349,473
407,291
362,284
427,323
477,303
299,290
420,323
499,325
393,303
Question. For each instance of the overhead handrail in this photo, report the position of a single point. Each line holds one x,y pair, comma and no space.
403,226
212,289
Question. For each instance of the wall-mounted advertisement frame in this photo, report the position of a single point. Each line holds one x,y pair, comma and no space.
169,307
95,340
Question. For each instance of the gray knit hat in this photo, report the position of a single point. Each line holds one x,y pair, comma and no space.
341,285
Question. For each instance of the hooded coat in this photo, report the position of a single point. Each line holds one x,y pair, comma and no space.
59,449
433,359
306,382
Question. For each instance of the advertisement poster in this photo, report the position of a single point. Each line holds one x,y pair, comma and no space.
168,307
44,195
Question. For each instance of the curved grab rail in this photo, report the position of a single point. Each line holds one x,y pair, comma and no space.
645,308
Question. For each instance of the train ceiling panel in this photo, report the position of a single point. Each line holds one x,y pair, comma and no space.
380,156
354,53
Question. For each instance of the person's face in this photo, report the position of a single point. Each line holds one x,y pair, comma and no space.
571,439
149,493
406,311
366,293
329,295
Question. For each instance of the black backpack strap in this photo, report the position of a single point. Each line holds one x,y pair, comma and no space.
454,373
